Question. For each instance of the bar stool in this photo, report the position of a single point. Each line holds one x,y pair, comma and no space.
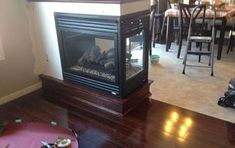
198,13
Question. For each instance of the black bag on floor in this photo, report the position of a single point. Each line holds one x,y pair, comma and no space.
231,85
229,96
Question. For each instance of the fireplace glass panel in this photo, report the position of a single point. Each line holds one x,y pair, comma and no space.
134,55
89,55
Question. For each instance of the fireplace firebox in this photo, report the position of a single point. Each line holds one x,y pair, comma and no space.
107,53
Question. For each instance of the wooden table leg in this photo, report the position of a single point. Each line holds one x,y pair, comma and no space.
221,39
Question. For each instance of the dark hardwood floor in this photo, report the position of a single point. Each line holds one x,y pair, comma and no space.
151,125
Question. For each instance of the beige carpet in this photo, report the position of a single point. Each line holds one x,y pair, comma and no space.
197,90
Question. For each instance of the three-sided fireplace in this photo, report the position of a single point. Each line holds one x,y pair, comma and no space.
107,53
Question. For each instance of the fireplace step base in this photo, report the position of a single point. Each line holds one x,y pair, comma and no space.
91,100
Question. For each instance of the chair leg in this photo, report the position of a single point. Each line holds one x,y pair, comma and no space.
167,33
153,32
168,30
209,64
186,56
180,45
163,29
177,38
188,47
230,42
163,25
199,57
212,59
215,35
209,46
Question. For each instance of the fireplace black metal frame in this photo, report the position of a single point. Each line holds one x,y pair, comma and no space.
120,27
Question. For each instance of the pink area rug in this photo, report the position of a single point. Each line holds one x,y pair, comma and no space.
29,135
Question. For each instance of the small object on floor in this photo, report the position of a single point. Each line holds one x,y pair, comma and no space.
53,123
47,145
228,100
63,142
154,59
37,132
229,96
231,84
223,102
6,146
18,120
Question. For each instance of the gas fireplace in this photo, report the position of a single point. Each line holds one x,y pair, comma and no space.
107,53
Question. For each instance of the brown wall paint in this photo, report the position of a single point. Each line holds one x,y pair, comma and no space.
17,70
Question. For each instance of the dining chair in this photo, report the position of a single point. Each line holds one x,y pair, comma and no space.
185,14
176,25
157,14
196,15
174,21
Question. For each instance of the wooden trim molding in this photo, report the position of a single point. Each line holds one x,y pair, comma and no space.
19,93
88,1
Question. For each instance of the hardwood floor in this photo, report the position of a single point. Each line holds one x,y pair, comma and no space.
152,124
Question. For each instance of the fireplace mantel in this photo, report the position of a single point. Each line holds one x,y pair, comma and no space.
88,1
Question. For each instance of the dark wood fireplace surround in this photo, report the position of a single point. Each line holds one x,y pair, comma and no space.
91,100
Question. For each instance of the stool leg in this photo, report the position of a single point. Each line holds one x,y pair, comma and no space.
209,46
186,55
212,59
199,58
180,45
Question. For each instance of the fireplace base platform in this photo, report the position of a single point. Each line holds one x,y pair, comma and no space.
90,100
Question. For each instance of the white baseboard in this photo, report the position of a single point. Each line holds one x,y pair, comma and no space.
20,93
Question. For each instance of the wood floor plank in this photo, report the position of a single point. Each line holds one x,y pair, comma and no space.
151,124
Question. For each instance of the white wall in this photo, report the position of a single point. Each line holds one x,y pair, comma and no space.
132,7
2,54
47,55
17,69
28,43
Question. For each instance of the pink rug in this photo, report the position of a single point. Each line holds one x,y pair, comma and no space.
29,135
